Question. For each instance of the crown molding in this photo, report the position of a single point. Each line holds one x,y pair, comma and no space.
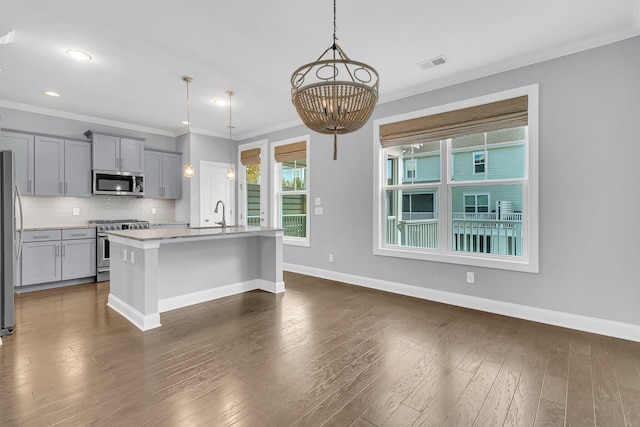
83,118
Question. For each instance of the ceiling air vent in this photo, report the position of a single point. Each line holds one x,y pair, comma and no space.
433,62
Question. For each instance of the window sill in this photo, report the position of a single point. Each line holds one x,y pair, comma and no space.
296,241
496,261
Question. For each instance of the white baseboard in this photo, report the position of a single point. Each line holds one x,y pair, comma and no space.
181,301
611,328
140,321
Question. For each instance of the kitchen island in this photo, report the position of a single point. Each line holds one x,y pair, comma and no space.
157,270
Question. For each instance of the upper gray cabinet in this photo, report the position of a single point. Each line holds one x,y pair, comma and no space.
118,154
162,175
62,168
22,145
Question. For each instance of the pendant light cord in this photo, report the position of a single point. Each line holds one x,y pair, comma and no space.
188,126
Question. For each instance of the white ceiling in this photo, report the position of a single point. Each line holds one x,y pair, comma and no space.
141,49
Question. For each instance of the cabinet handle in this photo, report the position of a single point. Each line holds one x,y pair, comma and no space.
77,234
66,185
121,163
60,187
57,251
46,236
115,159
64,252
29,186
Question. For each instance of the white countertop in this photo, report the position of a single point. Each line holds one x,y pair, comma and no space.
58,227
182,233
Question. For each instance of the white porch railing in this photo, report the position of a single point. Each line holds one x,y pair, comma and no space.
421,233
253,221
295,225
471,232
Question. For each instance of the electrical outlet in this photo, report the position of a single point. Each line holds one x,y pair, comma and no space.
153,211
76,211
471,277
330,257
132,258
124,255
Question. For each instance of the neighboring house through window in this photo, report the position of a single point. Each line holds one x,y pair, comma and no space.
458,183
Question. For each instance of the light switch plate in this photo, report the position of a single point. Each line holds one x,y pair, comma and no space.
132,257
319,210
153,211
318,201
76,211
124,255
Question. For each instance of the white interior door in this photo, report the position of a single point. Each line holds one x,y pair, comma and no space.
214,186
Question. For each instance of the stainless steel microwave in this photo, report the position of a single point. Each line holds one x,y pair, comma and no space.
118,183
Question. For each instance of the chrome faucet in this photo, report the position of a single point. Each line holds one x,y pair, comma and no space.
223,223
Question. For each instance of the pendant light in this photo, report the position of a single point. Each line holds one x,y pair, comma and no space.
188,168
231,173
335,95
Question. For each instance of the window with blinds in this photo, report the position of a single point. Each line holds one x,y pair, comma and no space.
458,183
291,191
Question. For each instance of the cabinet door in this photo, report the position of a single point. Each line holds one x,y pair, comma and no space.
77,169
131,155
22,146
106,152
172,176
78,258
49,166
41,262
152,174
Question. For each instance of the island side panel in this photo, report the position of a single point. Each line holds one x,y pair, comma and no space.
133,284
191,272
271,263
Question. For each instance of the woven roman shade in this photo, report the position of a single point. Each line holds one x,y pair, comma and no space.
250,157
291,152
505,114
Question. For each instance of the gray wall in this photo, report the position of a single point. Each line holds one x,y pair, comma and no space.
208,148
589,196
68,128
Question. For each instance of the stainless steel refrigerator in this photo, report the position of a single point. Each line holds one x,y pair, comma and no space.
10,240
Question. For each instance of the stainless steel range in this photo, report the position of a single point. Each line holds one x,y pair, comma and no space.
102,246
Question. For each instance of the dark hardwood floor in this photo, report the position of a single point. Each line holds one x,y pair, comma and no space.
322,353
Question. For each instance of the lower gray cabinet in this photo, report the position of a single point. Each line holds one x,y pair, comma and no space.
41,262
55,255
78,258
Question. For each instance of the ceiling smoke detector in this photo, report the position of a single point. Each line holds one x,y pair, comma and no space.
433,62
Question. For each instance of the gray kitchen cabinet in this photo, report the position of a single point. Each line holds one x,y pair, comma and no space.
55,255
118,154
49,166
77,169
163,175
78,258
22,145
62,168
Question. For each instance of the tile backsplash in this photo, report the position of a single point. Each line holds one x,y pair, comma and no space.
52,211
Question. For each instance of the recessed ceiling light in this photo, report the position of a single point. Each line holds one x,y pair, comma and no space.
51,93
220,102
184,122
79,55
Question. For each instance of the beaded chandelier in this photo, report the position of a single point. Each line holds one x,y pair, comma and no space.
334,95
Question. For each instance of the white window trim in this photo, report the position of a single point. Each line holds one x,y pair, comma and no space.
275,191
529,261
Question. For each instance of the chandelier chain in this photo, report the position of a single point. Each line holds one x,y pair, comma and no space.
334,25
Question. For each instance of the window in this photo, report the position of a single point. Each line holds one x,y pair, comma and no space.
478,162
458,183
291,198
250,189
